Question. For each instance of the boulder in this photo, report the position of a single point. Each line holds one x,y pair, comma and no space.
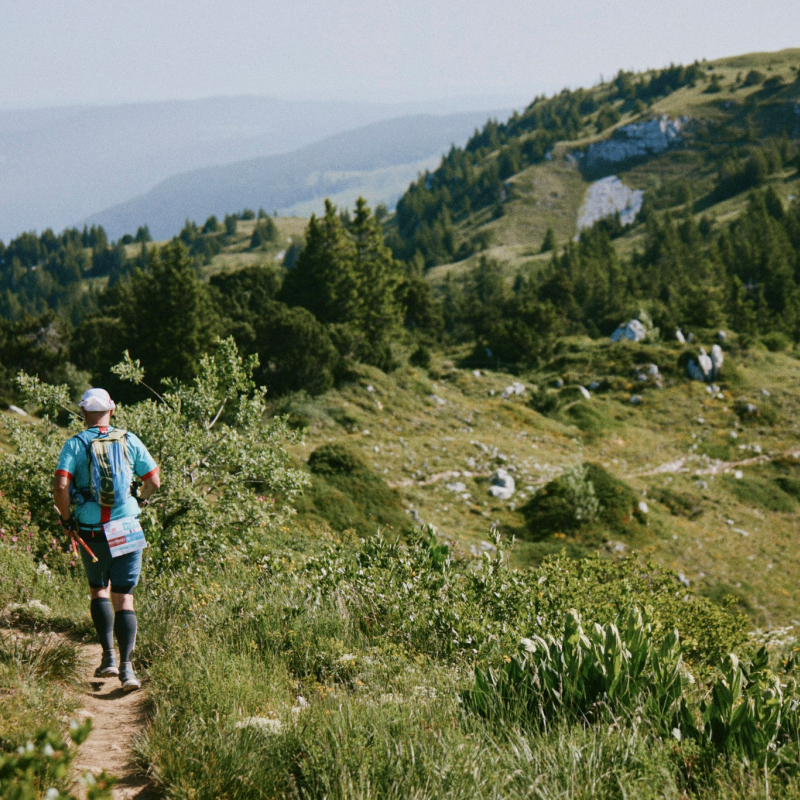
679,336
516,388
702,367
503,485
717,357
633,331
18,410
585,392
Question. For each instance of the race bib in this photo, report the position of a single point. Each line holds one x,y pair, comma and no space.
124,536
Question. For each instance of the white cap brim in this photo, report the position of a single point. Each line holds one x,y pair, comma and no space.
96,404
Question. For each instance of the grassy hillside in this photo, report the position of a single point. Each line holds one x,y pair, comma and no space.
679,451
619,622
752,100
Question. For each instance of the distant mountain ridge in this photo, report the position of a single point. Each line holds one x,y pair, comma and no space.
58,165
377,160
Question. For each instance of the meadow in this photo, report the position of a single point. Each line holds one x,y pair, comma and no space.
304,657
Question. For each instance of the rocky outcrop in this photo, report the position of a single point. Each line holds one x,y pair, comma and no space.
633,331
637,140
503,485
607,197
706,367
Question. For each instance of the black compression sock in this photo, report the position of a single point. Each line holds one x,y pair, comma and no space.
103,619
125,630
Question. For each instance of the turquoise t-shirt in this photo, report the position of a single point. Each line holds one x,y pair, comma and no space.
72,463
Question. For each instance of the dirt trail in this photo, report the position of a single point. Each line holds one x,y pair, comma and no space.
117,717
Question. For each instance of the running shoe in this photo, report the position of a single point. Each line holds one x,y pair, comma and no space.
130,683
108,666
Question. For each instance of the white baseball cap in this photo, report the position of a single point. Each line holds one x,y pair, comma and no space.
97,400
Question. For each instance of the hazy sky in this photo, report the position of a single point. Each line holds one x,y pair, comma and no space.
58,52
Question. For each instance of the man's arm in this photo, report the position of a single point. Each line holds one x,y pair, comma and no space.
150,484
61,495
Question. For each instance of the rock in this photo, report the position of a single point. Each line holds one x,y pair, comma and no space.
717,359
702,485
594,385
653,370
765,392
679,336
643,507
683,579
702,367
694,372
641,377
690,337
438,400
738,474
705,363
617,547
633,331
636,399
503,485
636,140
476,373
370,387
585,392
722,336
457,486
745,409
559,383
607,197
516,388
18,410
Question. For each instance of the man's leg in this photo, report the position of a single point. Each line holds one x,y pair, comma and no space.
102,617
125,630
101,609
125,625
124,572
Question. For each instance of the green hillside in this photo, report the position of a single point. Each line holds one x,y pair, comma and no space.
425,530
734,105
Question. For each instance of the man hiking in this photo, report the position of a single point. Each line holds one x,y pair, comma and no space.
95,472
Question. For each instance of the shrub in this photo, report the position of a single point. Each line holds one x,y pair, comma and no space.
347,494
623,669
619,667
564,504
226,481
776,341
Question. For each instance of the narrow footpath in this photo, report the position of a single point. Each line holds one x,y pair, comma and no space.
116,719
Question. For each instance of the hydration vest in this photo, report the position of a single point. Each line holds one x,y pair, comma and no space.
110,471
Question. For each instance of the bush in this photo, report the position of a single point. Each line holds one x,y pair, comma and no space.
226,480
43,768
776,341
623,670
619,667
563,504
347,494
